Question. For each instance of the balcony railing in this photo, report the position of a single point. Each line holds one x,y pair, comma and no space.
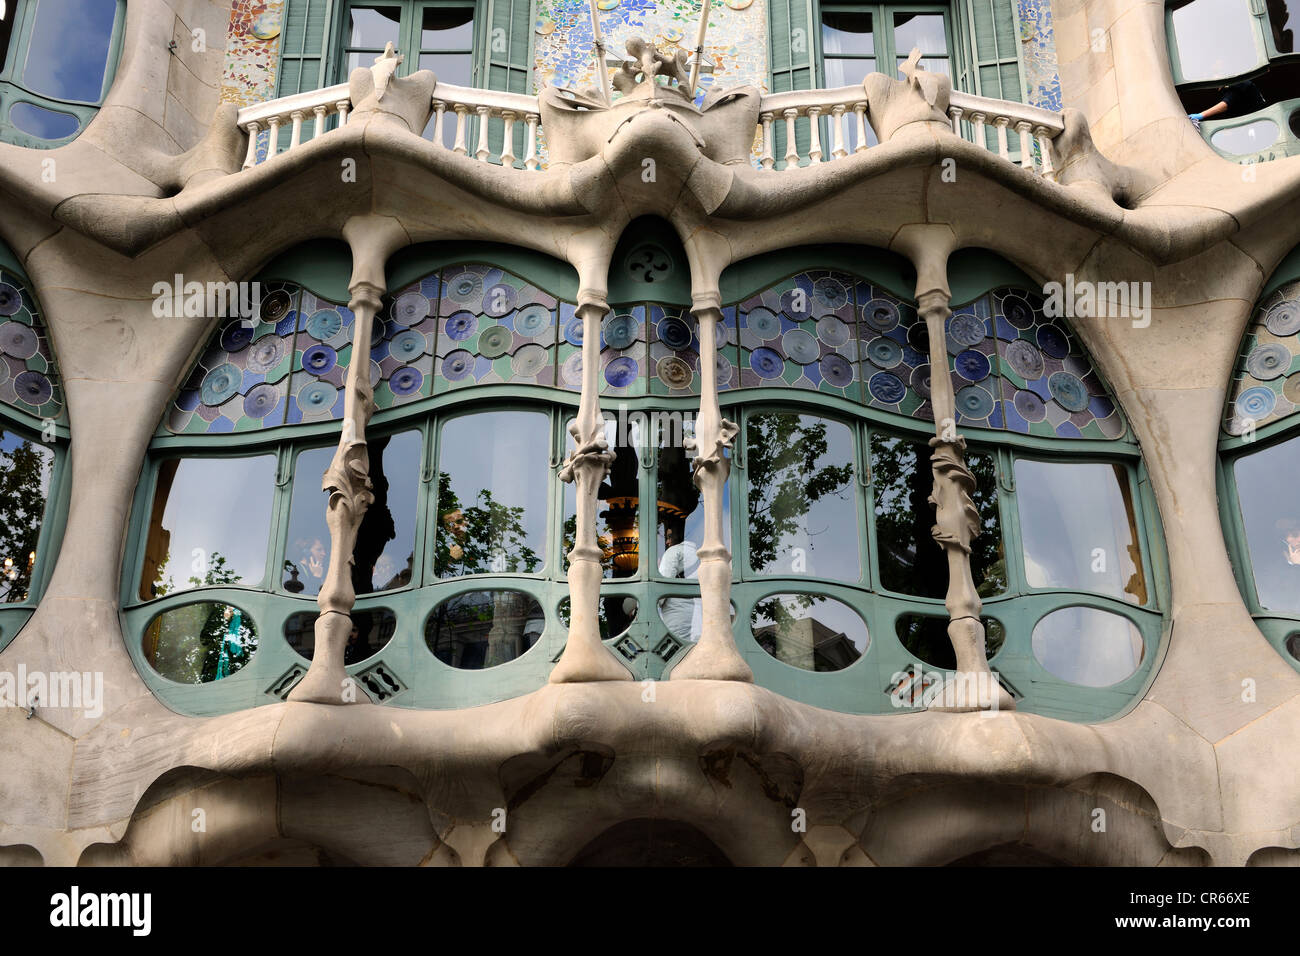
816,126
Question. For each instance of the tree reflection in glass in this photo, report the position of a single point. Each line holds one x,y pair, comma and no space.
385,546
911,561
1078,528
1271,514
210,521
199,643
802,516
25,469
482,629
492,489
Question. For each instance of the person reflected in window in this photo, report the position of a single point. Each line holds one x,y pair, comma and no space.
358,648
1238,99
1291,541
312,562
680,560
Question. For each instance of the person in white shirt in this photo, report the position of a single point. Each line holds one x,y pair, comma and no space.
680,560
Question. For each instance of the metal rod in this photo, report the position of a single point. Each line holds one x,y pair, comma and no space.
598,52
699,46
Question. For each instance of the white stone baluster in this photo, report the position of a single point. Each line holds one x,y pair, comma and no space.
439,111
815,143
530,158
482,152
955,112
767,160
837,120
977,123
250,158
791,148
342,107
318,124
860,111
1026,146
1045,150
295,137
508,138
462,112
1001,123
273,140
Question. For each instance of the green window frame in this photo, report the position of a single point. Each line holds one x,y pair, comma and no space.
17,92
1279,627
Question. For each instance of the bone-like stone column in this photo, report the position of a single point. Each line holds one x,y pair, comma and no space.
347,479
715,657
956,518
585,658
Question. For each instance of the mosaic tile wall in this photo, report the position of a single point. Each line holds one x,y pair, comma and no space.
736,44
28,379
252,51
1266,386
1041,79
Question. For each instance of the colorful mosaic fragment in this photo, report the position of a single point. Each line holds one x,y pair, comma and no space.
801,333
623,351
675,351
29,381
895,353
1049,386
493,327
1266,385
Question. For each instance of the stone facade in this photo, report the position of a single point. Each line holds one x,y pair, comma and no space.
1199,771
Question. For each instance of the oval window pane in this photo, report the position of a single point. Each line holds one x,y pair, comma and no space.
1215,39
493,478
683,616
200,643
372,629
25,470
1079,529
1247,138
1089,646
68,49
615,614
1271,515
385,547
209,525
926,638
809,631
803,513
482,629
42,123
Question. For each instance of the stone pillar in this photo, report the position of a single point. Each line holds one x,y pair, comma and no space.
956,522
585,658
347,479
715,657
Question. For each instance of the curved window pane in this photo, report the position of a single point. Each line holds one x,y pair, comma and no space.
492,490
802,515
614,613
68,50
926,638
209,524
684,618
1088,646
809,631
618,505
385,547
1271,515
372,629
41,122
679,504
921,30
1079,529
1215,39
200,643
1247,138
25,470
482,629
911,562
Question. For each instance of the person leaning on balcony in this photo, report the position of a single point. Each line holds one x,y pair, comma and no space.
1238,99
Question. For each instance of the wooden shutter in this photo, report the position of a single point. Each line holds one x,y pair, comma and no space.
994,44
794,35
507,61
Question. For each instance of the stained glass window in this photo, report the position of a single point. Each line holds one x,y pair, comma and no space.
28,380
1266,385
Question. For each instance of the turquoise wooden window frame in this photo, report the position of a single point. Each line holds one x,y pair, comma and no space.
14,616
859,688
1276,626
12,90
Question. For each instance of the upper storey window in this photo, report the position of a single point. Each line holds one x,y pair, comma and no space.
857,40
56,65
1238,72
437,37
